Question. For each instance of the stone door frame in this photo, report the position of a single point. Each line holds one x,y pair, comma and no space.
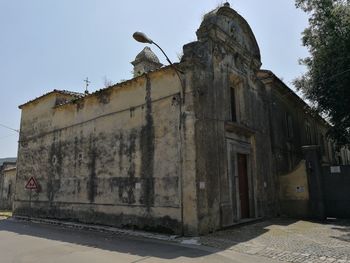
235,147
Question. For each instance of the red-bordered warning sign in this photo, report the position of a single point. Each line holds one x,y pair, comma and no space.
32,184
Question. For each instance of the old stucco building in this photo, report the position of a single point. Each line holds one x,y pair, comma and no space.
7,184
187,152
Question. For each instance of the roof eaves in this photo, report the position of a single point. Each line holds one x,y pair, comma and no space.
289,91
117,85
66,92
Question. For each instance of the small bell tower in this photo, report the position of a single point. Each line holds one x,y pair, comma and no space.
145,61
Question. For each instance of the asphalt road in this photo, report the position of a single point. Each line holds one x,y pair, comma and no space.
26,242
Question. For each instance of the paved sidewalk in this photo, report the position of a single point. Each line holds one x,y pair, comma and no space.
287,240
46,242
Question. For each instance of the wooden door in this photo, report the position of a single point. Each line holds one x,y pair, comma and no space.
243,184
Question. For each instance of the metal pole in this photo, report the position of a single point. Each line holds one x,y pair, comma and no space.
30,204
176,70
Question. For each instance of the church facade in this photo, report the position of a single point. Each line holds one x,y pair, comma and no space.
186,149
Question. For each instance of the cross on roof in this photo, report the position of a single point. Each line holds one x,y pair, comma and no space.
87,82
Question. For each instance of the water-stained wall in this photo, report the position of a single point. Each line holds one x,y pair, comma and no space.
227,57
112,157
294,192
293,125
161,151
7,185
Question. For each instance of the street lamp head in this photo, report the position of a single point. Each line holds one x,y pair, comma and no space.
141,37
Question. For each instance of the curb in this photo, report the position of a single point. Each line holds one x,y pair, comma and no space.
99,228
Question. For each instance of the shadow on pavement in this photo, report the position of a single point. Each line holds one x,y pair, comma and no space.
101,240
239,235
344,227
132,245
236,235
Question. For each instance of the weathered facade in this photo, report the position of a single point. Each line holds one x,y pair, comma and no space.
187,150
7,184
292,126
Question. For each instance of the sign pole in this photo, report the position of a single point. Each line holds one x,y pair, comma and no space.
30,204
31,185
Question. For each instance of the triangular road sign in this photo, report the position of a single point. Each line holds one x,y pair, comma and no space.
32,184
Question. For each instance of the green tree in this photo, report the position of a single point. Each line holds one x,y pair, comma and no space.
326,82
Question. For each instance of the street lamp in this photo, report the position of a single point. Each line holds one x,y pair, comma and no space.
143,38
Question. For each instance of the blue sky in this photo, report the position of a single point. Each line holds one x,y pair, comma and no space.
46,44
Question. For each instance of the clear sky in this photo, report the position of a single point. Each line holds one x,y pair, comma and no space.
47,44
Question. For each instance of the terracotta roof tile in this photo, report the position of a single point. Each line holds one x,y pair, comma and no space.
65,92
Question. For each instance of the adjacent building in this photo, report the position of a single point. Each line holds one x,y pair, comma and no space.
7,184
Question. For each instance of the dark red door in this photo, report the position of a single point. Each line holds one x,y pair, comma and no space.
243,184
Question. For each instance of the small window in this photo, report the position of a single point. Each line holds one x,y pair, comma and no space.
315,135
289,126
322,144
233,105
308,132
9,191
339,159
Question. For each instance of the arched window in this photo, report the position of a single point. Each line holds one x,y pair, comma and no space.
233,105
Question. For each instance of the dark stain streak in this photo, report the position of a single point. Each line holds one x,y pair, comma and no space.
104,96
91,184
120,151
183,117
147,152
78,186
80,105
155,224
55,168
132,112
126,185
131,170
75,154
131,153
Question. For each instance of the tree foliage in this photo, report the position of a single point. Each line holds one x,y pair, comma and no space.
327,80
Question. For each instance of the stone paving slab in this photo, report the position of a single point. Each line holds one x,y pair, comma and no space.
288,240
